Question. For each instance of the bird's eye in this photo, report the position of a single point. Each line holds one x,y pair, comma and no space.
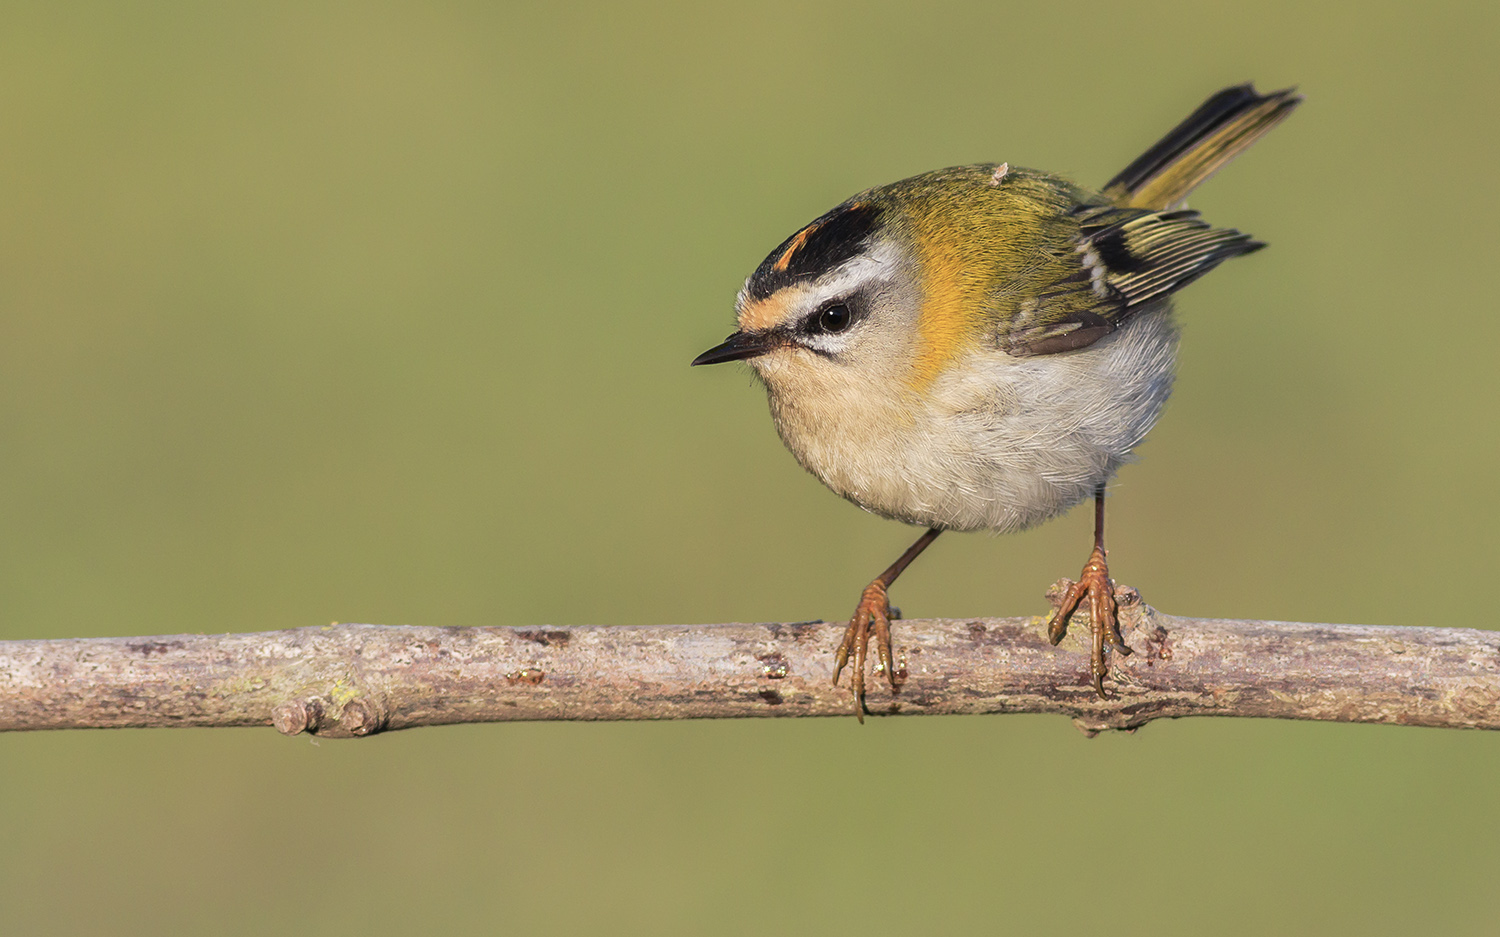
835,318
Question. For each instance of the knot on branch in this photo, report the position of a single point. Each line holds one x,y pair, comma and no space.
297,716
358,717
361,717
333,693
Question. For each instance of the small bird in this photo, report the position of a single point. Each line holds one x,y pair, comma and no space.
981,347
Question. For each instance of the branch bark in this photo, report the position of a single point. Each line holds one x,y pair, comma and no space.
354,680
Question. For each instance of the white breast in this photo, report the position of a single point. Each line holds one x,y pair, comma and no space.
996,442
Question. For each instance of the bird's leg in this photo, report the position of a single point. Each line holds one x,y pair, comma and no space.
874,610
1104,621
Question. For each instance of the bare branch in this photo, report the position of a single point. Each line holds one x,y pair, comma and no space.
353,680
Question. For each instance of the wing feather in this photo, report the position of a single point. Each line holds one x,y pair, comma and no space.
1125,258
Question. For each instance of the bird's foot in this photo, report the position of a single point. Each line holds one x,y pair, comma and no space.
872,614
1104,620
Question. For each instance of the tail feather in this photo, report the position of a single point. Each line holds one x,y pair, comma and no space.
1218,131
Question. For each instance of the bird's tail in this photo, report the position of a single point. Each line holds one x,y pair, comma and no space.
1218,131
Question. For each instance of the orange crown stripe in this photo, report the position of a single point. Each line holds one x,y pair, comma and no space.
796,245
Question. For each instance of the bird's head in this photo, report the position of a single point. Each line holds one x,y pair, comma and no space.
891,286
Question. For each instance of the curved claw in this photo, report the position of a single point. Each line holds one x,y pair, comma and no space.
873,609
1104,621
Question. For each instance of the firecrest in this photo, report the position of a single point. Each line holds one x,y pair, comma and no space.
981,347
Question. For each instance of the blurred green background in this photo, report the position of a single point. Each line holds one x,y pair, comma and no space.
383,313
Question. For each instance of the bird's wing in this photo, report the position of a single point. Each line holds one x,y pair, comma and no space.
1122,259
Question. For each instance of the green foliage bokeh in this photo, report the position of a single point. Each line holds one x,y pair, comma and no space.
383,313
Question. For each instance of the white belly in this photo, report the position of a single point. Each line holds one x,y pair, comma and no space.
996,442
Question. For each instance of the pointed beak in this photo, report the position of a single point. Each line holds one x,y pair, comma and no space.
739,346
